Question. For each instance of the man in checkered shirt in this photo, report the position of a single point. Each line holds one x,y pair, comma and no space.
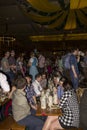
30,94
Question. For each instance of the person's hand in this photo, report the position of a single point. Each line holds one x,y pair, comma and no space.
10,93
75,75
34,107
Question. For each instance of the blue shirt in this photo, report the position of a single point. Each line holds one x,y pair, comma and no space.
30,93
60,92
73,61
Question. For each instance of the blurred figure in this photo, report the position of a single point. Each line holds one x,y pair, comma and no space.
85,58
32,63
43,81
60,89
74,71
4,83
30,94
37,87
19,65
12,62
83,111
41,63
6,67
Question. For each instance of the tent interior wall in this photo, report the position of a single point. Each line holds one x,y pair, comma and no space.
55,47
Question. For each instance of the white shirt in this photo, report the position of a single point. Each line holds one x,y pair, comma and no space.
4,83
37,87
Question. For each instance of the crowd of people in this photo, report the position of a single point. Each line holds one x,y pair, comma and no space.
24,79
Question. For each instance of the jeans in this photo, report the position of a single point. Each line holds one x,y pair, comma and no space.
75,82
32,122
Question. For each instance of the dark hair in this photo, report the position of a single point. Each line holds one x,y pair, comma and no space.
37,76
21,83
28,75
74,49
17,76
62,79
44,73
67,85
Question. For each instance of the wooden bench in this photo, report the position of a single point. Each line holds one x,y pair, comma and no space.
10,124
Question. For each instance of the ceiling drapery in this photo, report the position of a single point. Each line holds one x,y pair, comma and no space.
58,15
77,4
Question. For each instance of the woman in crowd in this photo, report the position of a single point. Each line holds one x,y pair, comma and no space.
70,111
32,63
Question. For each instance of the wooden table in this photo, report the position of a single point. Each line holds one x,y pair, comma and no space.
48,112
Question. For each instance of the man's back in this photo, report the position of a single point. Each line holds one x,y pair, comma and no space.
20,105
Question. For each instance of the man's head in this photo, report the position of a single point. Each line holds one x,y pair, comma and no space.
75,51
28,78
21,83
13,53
38,77
7,54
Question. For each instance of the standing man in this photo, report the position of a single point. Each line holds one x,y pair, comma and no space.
74,71
5,66
41,63
12,63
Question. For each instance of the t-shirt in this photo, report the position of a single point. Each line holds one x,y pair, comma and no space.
5,60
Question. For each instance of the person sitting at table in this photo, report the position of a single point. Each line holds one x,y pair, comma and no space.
13,85
4,83
37,86
70,111
60,89
21,107
43,81
30,94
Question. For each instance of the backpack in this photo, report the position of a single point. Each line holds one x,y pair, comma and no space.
5,110
66,61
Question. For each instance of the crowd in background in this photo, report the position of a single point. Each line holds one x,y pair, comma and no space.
28,76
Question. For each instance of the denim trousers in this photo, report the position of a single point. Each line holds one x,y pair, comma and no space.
32,122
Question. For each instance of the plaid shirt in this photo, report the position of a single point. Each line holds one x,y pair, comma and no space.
70,107
30,93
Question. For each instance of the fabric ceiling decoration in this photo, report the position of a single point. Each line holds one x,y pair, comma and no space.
43,5
61,14
71,20
78,4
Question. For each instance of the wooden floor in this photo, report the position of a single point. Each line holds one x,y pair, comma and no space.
10,124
